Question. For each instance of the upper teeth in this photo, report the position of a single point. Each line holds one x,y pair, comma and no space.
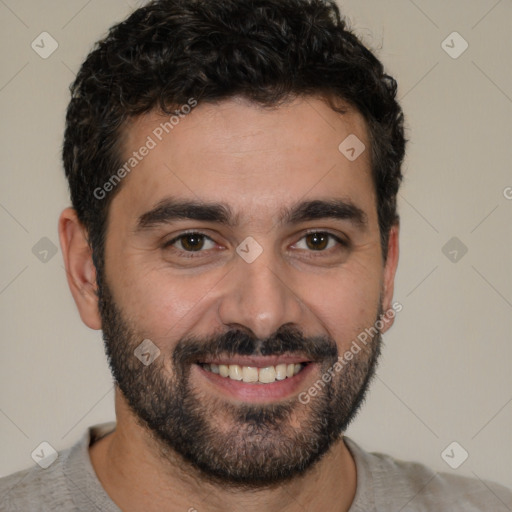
253,374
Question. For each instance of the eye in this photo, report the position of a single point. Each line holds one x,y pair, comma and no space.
191,242
319,241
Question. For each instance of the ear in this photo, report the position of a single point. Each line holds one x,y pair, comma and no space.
388,283
80,270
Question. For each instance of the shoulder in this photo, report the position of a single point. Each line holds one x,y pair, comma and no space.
412,486
69,483
36,489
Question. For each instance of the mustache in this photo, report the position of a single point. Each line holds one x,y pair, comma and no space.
286,340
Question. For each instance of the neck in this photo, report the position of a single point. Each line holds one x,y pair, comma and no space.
131,469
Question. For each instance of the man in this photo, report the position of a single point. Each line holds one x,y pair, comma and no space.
233,169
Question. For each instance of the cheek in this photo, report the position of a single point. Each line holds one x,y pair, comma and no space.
345,304
163,305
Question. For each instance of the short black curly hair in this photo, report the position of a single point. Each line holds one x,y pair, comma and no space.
264,50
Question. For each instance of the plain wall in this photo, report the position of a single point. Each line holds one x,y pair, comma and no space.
446,370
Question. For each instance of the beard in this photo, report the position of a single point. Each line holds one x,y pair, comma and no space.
235,445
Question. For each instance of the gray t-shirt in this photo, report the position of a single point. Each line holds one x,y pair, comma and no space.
383,485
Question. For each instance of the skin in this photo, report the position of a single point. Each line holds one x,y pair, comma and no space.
255,160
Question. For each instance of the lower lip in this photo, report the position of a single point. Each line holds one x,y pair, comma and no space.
258,393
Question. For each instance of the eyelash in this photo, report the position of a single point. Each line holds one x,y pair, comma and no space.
197,254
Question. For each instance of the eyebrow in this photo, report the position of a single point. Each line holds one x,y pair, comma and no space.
171,209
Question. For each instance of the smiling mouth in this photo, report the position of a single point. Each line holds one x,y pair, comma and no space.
254,374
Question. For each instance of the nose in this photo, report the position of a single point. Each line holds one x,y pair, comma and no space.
259,296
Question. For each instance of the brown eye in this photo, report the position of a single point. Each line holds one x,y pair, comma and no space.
192,242
317,241
321,242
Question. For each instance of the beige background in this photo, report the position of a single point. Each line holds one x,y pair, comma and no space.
446,372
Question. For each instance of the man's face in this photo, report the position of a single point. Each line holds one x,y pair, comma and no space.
245,285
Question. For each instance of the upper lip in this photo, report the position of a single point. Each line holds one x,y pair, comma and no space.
257,361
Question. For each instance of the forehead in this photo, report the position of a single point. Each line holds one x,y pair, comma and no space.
256,159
